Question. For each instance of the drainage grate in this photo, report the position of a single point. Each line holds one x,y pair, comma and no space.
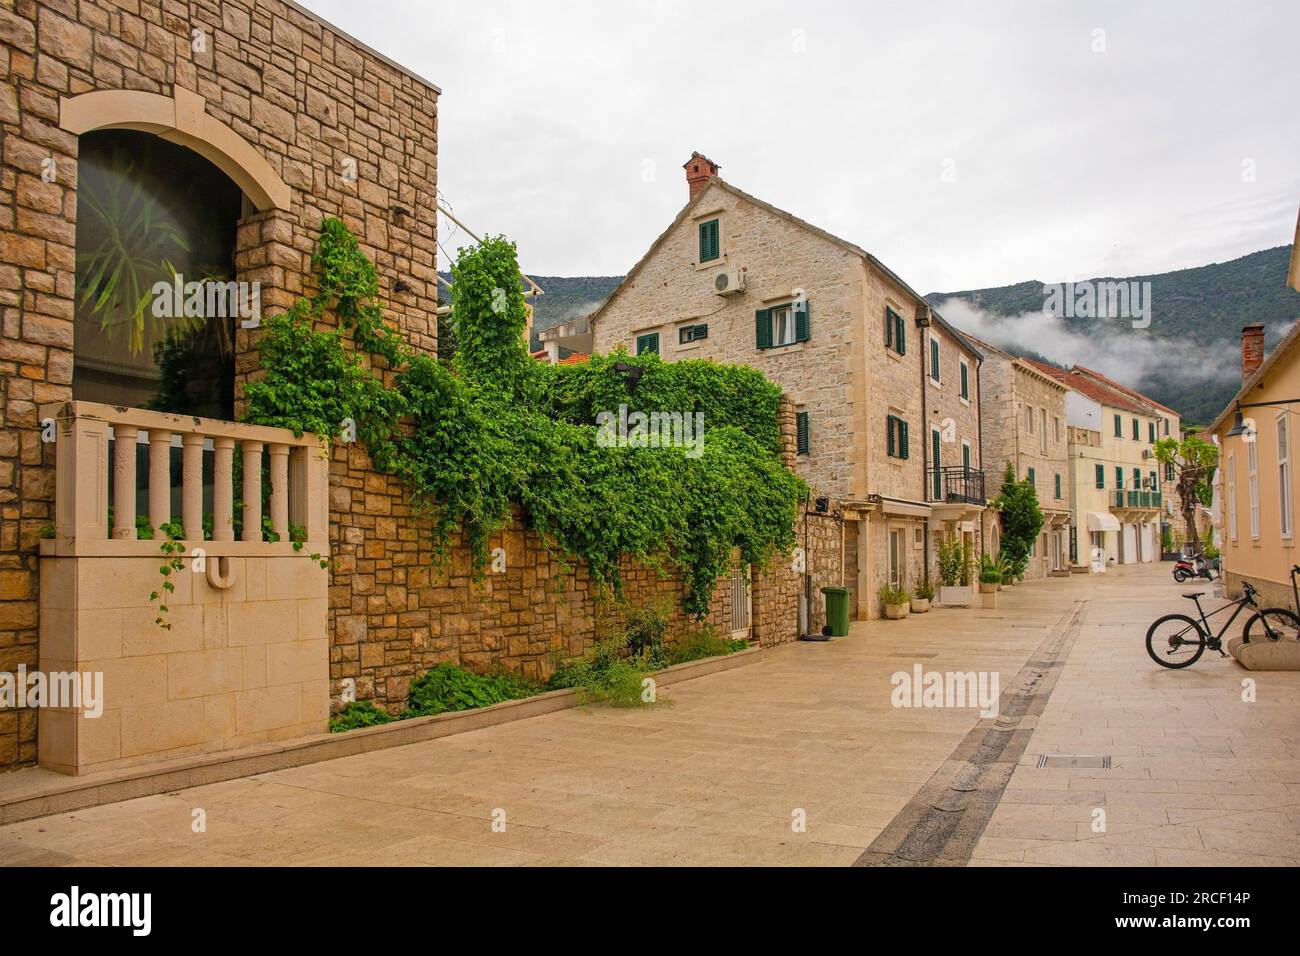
1075,761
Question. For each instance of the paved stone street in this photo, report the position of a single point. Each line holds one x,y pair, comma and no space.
724,772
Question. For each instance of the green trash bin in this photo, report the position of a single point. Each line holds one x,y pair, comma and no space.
837,610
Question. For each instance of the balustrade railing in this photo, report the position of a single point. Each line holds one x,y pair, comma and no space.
168,467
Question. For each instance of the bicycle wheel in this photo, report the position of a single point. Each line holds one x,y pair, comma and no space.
1175,640
1273,624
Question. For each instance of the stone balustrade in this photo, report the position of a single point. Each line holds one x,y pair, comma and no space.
93,440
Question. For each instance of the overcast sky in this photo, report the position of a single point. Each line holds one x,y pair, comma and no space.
964,144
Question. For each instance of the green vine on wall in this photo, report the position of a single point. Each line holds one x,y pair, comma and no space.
498,430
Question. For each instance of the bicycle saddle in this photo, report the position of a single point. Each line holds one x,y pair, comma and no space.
1194,595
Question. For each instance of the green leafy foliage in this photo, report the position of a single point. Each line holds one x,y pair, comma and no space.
446,687
606,674
1194,460
701,643
359,713
1022,520
495,430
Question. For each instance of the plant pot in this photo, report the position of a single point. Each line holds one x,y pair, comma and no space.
989,599
958,595
896,612
989,587
920,605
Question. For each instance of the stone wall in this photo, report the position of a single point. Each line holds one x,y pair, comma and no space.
310,102
240,664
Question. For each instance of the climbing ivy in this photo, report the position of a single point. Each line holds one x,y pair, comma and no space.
495,430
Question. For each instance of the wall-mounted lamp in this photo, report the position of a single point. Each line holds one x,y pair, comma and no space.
631,374
1238,424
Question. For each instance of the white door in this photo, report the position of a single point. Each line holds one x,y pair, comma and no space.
1128,549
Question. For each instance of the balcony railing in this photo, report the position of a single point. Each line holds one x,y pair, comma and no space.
166,466
1142,500
956,483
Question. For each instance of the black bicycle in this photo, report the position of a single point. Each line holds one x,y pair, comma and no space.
1177,640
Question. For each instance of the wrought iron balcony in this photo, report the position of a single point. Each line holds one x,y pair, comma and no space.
956,483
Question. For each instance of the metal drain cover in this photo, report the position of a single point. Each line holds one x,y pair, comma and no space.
1075,761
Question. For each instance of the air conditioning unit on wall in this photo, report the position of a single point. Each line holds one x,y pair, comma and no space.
731,282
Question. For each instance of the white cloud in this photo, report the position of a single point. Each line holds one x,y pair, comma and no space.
1068,163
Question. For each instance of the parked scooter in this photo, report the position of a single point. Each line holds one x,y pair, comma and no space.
1194,566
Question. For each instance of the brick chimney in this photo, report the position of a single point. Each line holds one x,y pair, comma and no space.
699,169
1252,349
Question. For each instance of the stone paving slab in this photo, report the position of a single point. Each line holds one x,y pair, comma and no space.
714,776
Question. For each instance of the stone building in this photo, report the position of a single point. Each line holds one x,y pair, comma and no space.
886,432
1116,496
1023,409
217,138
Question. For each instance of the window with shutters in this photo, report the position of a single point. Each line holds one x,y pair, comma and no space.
692,333
934,359
1169,471
896,439
965,380
801,432
1284,474
1151,432
1042,432
780,325
1119,426
1119,478
1137,479
1058,487
895,332
710,240
1231,495
647,343
1100,476
1137,434
1029,476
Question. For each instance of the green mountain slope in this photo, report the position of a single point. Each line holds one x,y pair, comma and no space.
1189,356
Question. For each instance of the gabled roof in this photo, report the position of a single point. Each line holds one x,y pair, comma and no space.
1091,388
1279,351
1132,393
718,181
1017,361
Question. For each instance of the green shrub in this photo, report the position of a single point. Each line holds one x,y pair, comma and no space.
891,594
446,687
604,674
646,629
701,643
359,713
925,591
990,571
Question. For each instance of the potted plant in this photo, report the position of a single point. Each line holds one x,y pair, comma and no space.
896,601
991,578
954,572
922,598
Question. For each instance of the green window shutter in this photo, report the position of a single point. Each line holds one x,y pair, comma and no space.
763,328
801,321
1058,486
801,432
900,335
709,246
1101,476
965,380
1119,478
1032,482
902,439
1151,431
965,456
889,328
934,359
1119,427
890,447
647,343
1137,479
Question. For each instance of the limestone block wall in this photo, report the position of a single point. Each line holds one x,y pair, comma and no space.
241,665
343,131
780,259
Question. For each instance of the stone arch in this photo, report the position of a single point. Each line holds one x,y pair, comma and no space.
181,119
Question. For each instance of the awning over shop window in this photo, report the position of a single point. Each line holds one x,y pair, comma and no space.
1102,521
